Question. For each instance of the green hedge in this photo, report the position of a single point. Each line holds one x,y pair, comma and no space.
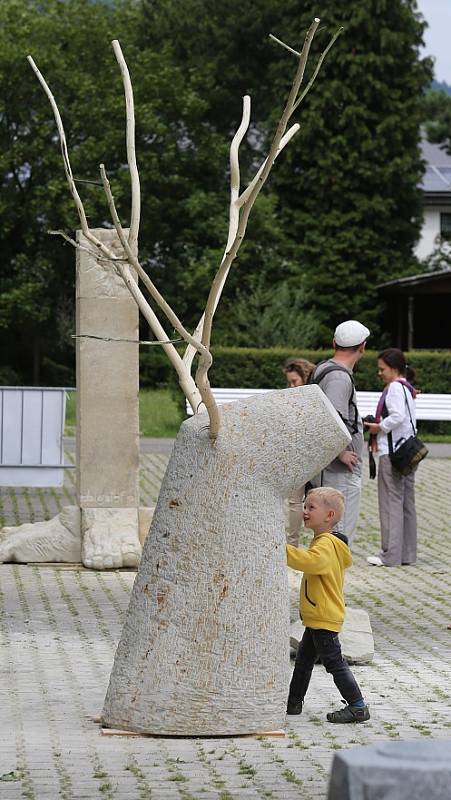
263,368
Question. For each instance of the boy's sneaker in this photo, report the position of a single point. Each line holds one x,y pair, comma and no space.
350,714
294,706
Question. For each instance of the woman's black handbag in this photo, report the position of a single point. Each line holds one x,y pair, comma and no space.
408,455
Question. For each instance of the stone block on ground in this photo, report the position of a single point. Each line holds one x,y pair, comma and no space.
393,771
356,636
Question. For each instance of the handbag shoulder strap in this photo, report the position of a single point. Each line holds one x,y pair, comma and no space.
408,409
385,414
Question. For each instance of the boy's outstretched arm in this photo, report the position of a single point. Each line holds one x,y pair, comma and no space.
315,560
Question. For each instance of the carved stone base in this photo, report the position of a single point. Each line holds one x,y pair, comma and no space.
112,538
56,539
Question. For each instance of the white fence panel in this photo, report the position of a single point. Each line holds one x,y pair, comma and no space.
31,435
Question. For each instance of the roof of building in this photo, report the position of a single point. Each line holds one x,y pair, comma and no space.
429,282
437,176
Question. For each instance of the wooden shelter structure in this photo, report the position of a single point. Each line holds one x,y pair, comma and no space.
418,310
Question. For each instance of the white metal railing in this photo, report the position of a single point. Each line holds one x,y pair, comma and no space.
428,406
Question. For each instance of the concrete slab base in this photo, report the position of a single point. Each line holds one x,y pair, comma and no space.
393,771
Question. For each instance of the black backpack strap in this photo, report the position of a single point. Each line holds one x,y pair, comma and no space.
354,426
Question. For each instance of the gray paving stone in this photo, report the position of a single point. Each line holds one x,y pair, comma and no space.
59,630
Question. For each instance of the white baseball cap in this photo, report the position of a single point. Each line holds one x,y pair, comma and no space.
350,333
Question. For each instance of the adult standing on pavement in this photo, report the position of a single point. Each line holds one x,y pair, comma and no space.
335,376
297,372
395,419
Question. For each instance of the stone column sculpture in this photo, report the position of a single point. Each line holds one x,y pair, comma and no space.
102,530
204,648
107,410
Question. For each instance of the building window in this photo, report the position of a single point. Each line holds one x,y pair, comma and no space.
445,226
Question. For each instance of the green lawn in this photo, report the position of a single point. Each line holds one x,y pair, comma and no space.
159,415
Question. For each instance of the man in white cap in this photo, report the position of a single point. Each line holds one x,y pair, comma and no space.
335,378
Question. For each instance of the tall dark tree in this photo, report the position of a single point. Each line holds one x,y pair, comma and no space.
346,207
349,192
437,117
70,41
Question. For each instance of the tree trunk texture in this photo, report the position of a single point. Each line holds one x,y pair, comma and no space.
205,645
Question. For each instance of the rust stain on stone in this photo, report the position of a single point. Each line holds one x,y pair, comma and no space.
146,589
219,578
174,503
161,600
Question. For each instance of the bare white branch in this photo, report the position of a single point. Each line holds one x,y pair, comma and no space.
233,212
317,68
244,197
73,242
247,206
131,148
287,47
63,144
205,355
185,380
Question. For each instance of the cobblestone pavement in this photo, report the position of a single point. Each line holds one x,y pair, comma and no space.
59,628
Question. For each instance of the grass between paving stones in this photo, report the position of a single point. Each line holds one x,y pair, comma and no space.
106,789
66,788
159,415
144,790
21,772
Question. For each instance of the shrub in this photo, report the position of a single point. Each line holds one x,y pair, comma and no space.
249,367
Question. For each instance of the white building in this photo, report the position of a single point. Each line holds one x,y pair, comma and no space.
436,186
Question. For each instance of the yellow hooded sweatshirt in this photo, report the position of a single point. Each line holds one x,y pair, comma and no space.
323,564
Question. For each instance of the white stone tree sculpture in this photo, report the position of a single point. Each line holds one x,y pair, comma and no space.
204,648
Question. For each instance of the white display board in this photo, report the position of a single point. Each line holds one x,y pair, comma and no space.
31,435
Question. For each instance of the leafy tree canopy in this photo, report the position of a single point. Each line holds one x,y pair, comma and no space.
341,212
437,117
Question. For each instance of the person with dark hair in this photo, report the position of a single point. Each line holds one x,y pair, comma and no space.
335,377
395,422
297,372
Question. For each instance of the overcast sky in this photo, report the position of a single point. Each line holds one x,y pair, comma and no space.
437,14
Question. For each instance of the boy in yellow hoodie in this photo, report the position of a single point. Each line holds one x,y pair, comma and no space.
322,606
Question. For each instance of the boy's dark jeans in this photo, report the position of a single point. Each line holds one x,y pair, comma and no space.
325,645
